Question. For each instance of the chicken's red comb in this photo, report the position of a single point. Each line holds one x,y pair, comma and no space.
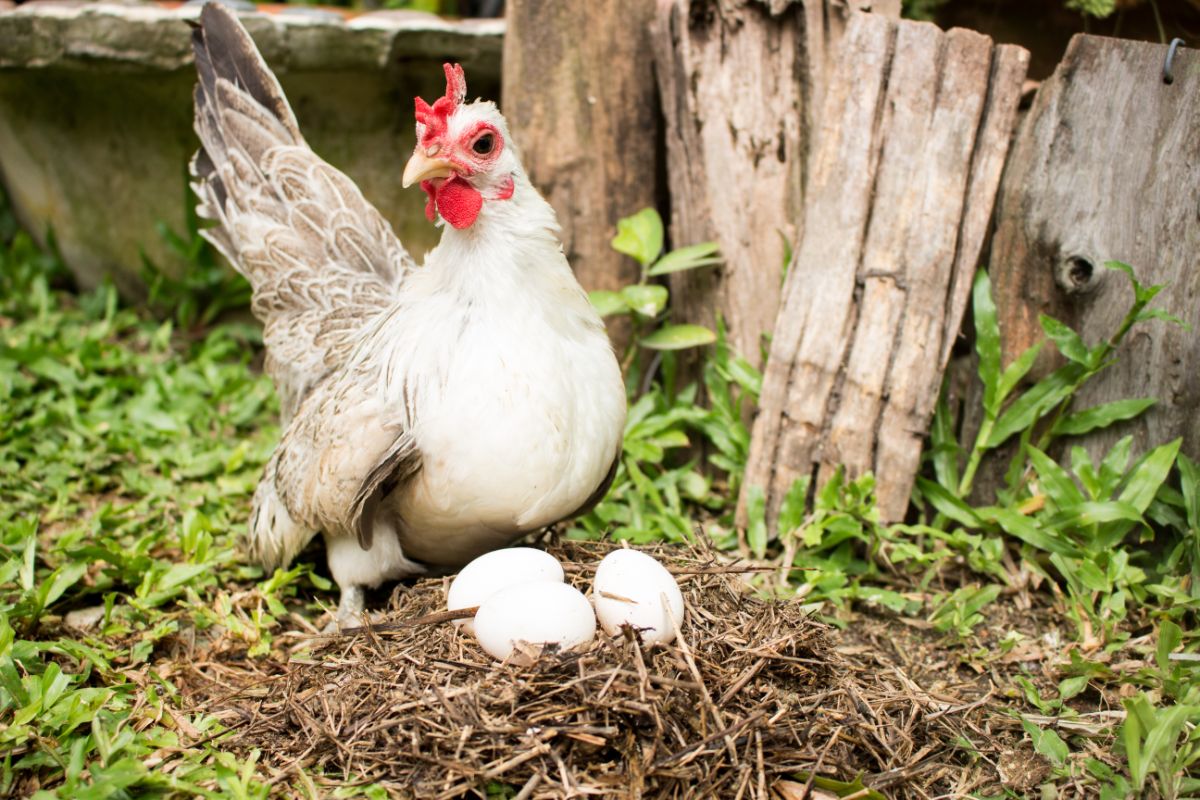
434,117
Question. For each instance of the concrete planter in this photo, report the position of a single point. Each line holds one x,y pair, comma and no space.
96,108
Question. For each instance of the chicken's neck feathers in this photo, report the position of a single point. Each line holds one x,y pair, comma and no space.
513,240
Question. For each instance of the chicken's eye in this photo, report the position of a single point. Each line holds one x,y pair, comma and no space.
484,144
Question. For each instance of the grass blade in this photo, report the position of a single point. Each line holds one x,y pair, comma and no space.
1149,475
685,258
1028,531
679,337
1055,481
1102,416
756,525
944,448
987,341
1015,372
1189,479
1034,404
949,505
1065,339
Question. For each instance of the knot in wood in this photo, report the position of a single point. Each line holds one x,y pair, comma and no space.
1077,274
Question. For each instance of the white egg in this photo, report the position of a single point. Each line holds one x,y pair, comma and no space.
495,571
527,618
630,589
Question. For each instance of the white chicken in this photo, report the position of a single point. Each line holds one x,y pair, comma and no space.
431,413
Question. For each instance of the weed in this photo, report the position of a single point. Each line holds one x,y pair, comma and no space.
128,457
659,483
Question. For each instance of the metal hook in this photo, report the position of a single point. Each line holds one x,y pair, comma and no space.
1168,76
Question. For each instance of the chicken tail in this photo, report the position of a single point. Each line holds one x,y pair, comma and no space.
241,113
273,538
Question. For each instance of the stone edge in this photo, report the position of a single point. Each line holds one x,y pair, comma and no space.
156,37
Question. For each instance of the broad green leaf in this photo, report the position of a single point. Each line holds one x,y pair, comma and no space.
987,341
1015,372
948,504
62,579
1138,716
756,521
1066,340
1088,513
1169,637
1163,737
1055,481
671,438
1091,576
1034,403
792,510
944,448
1081,465
28,561
1189,480
678,337
1101,416
684,258
1071,687
1051,745
646,299
1163,316
1028,530
640,236
1113,466
1149,474
644,452
639,412
607,303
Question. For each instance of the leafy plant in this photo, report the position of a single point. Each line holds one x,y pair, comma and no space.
921,9
1093,8
928,9
659,482
641,237
1161,744
1074,517
958,612
127,457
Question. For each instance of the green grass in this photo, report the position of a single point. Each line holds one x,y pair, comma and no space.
129,448
127,458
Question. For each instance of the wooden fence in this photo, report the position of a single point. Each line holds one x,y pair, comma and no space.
888,157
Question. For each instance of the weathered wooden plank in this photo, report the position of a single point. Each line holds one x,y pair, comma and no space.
912,135
738,79
1107,166
579,95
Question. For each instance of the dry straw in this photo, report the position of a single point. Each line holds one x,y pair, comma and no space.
747,703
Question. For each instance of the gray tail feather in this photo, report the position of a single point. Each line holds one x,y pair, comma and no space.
225,50
273,538
240,112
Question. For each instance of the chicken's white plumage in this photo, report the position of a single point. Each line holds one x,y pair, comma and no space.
432,413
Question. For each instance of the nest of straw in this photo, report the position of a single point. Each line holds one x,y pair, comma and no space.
749,702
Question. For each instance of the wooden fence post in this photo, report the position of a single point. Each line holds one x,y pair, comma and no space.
739,79
1107,167
912,135
579,94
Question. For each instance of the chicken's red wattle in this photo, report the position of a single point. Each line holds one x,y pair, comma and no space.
457,201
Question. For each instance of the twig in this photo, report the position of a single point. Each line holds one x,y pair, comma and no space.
531,784
435,618
726,733
691,662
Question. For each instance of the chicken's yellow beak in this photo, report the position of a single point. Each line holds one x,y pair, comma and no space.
421,167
